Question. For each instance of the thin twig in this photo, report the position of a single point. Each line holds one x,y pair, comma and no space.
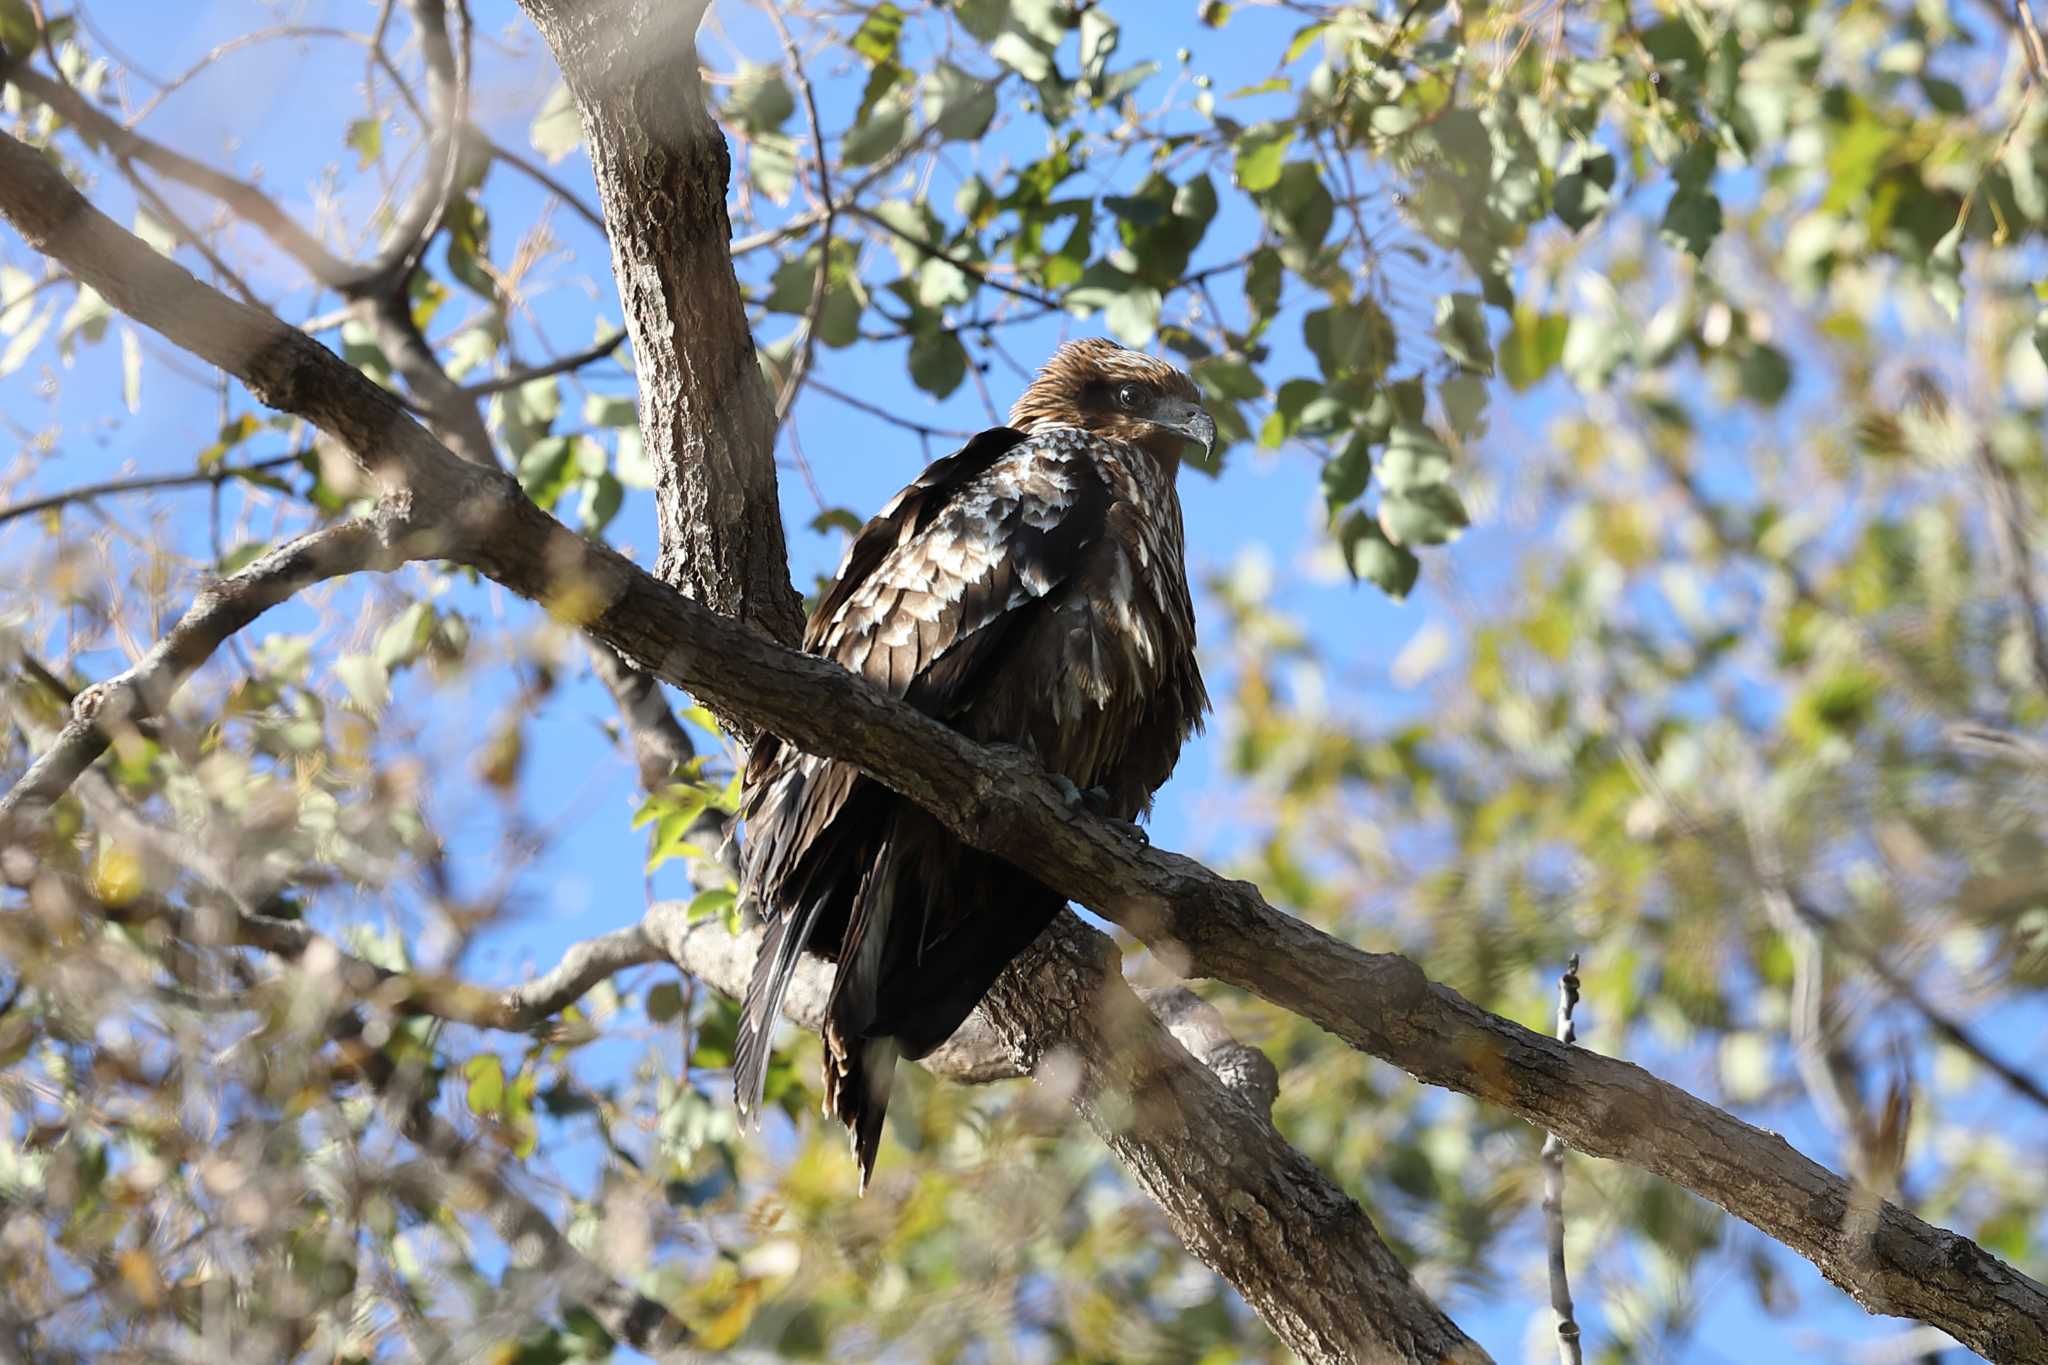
2006,508
160,209
973,269
245,199
141,485
222,608
821,283
540,176
1906,993
893,418
589,355
1568,1348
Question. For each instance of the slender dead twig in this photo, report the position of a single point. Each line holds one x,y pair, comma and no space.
142,485
537,173
221,609
893,418
821,283
2006,508
589,355
1568,1348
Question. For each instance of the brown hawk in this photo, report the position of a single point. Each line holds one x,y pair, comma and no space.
1028,590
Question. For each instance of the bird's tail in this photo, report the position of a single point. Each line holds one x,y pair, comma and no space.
858,1076
774,969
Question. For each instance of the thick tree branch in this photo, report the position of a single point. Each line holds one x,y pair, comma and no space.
1201,924
706,415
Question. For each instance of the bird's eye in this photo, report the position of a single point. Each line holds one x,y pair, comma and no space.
1127,396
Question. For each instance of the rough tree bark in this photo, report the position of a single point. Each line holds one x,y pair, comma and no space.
706,415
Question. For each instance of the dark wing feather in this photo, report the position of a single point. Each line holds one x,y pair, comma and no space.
930,592
906,515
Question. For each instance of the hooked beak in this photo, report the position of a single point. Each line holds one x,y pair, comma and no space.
1190,421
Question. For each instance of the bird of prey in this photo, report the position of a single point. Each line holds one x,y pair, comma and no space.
1027,590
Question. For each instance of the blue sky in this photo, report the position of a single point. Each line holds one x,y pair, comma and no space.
282,108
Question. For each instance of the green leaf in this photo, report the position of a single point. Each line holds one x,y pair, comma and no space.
1300,204
1532,347
1461,327
547,469
1429,515
1464,398
1227,377
1262,278
486,1092
1029,57
938,362
1673,44
1302,40
1585,186
759,99
1766,374
405,639
603,494
366,135
982,18
631,463
710,904
1692,221
880,135
1346,474
1415,458
610,410
1354,340
960,105
367,680
86,320
879,35
771,165
1133,316
884,78
1261,150
836,518
664,1002
1371,556
557,130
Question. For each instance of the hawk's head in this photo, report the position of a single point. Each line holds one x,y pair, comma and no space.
1122,394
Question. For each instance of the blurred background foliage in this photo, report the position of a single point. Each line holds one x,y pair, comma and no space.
1681,365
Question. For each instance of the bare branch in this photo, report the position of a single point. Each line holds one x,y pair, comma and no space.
893,418
248,202
660,744
974,269
707,417
1299,1249
2006,509
1906,993
821,282
116,706
143,484
574,361
1568,1346
534,171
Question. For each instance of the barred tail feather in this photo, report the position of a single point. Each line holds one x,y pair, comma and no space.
781,949
858,1075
